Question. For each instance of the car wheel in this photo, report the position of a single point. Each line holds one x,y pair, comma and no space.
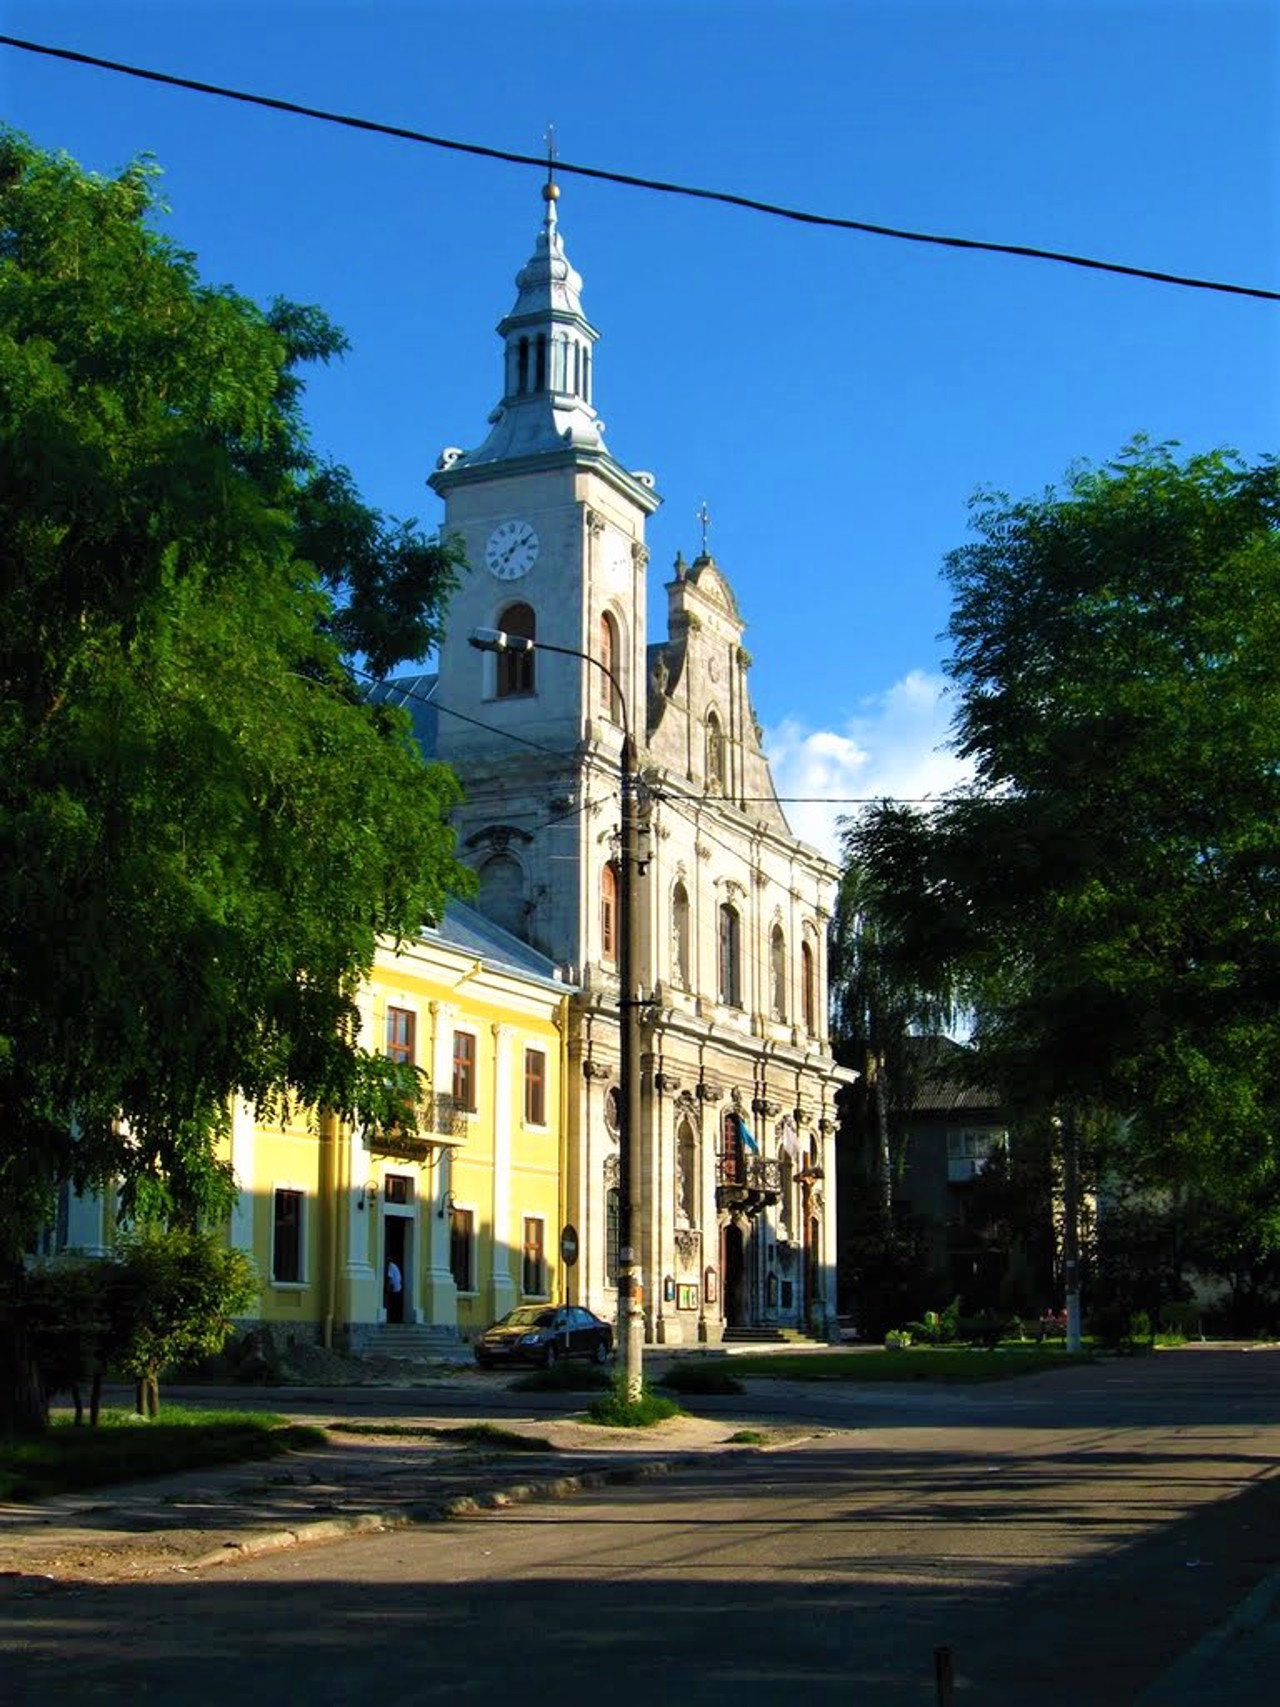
549,1357
601,1353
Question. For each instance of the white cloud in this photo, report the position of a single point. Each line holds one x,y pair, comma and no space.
894,744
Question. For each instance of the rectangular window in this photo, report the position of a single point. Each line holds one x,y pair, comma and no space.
398,1189
462,1249
286,1237
400,1035
464,1071
535,1088
534,1277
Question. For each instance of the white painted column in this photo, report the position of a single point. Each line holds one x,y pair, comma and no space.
504,1249
439,1293
243,1129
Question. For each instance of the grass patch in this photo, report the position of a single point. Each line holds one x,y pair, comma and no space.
945,1363
748,1437
702,1376
466,1434
615,1410
564,1378
125,1447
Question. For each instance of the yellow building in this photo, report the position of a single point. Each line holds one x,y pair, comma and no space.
411,1244
468,1215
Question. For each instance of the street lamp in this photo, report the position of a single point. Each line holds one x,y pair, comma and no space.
630,1297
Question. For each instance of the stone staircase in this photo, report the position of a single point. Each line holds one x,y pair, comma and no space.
769,1336
415,1342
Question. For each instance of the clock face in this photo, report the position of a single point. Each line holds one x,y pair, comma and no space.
512,550
617,555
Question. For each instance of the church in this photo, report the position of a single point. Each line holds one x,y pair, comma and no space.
735,1159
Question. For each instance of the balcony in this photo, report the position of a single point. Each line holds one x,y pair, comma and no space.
747,1182
440,1123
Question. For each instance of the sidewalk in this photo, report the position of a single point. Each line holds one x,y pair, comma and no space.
358,1483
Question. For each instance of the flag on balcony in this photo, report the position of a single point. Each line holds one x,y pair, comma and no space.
748,1137
789,1143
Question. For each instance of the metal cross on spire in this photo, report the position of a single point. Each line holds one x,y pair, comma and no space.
704,516
550,139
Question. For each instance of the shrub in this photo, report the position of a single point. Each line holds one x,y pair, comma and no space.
897,1339
615,1410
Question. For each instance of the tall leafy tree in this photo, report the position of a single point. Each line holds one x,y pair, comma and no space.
1109,887
204,826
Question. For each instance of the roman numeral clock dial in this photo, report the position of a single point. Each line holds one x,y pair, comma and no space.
512,550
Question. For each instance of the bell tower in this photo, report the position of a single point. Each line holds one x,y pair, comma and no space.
552,528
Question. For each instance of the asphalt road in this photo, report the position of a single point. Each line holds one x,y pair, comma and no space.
1066,1537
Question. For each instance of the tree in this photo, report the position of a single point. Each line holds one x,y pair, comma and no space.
886,1018
204,825
175,1293
1107,887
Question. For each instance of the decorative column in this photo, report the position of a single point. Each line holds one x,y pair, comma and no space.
439,1293
501,1280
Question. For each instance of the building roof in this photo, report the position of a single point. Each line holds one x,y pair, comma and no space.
414,694
463,928
947,1085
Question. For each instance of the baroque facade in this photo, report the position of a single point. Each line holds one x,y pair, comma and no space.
736,1182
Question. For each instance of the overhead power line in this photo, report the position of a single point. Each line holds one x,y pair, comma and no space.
632,180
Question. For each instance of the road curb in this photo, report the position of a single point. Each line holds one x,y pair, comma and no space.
328,1529
1185,1682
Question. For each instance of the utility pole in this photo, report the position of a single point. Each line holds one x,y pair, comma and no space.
630,1221
630,1329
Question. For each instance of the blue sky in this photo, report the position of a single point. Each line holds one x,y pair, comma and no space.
835,398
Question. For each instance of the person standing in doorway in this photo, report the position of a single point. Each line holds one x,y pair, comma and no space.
395,1283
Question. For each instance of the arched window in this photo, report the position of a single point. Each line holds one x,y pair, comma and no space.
610,658
501,896
808,987
686,1177
540,363
609,912
680,936
715,754
786,1191
515,669
730,957
522,366
777,973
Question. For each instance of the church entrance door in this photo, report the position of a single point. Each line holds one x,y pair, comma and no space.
734,1266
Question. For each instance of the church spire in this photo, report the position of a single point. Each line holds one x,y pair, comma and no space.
547,357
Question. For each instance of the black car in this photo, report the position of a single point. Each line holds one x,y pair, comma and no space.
544,1333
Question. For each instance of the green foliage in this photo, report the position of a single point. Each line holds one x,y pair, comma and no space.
126,1447
615,1410
700,1376
1106,893
165,1297
204,826
177,1292
897,1339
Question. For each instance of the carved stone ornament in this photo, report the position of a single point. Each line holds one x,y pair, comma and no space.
710,1093
687,1103
733,889
688,1246
596,1069
595,523
499,837
825,1125
762,1105
666,1084
639,554
703,850
612,1168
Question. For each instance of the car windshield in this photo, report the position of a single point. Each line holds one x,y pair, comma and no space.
529,1316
